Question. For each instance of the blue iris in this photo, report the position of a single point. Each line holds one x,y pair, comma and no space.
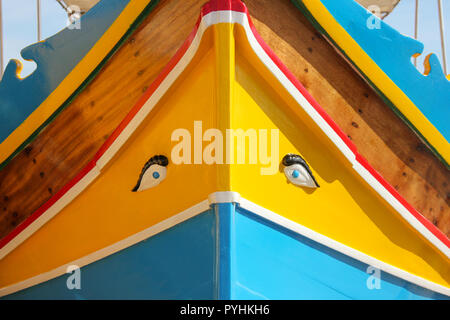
156,175
295,173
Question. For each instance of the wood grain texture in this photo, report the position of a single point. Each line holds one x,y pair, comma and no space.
380,136
72,139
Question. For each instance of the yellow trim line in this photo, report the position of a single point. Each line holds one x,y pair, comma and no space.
377,76
74,79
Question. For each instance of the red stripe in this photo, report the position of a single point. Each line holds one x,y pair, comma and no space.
424,221
431,227
224,5
302,89
220,5
47,205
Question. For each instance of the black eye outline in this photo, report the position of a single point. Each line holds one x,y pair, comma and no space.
157,159
292,158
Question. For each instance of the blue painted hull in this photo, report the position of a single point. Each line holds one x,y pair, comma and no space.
228,253
275,263
175,264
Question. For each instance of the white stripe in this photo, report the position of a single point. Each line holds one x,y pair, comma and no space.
51,212
107,251
205,205
208,20
242,19
400,208
329,131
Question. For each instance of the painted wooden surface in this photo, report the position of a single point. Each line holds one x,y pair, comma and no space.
55,58
384,56
67,144
294,267
393,51
66,64
241,254
230,73
162,267
389,145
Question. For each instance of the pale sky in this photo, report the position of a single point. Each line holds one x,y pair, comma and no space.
402,19
19,26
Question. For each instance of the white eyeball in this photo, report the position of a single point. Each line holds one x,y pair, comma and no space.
153,173
298,172
299,176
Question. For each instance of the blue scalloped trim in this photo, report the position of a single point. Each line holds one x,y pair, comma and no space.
55,58
392,52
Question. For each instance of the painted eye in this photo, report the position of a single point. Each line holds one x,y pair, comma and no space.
298,172
153,173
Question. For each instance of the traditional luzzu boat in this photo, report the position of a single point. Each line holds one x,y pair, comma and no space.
234,155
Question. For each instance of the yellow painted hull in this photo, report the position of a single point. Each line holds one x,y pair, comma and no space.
225,84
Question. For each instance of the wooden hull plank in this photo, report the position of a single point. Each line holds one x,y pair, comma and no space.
72,140
63,71
176,264
380,136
